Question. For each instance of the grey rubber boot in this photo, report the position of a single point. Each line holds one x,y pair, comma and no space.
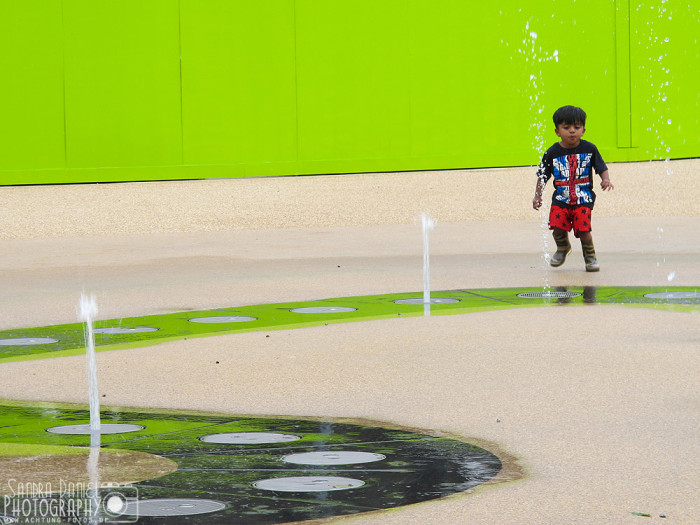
563,249
589,257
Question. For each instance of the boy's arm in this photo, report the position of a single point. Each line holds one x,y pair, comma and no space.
542,178
605,182
537,200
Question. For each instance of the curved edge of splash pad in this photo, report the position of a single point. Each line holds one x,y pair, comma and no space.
69,339
412,466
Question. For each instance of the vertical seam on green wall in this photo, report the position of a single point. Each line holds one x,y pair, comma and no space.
296,84
411,11
623,74
63,71
179,43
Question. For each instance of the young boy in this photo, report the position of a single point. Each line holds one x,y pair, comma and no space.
570,162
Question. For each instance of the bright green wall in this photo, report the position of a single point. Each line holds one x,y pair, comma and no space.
97,90
122,83
238,82
31,87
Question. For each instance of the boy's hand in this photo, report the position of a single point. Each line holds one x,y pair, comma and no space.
537,202
606,185
605,181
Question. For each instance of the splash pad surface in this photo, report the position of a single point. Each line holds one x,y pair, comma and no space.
579,392
464,349
329,468
54,341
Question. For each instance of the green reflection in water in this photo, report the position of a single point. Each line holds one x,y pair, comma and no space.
418,467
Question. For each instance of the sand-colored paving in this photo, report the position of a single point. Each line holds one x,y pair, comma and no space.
598,403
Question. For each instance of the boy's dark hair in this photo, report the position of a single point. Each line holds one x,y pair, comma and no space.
569,115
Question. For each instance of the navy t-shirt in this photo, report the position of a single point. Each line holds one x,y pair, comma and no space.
572,171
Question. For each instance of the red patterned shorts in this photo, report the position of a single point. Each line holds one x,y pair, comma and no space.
578,218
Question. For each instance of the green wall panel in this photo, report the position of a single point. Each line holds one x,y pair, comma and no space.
449,104
352,80
477,88
122,83
584,75
665,57
173,89
31,89
238,81
623,74
461,68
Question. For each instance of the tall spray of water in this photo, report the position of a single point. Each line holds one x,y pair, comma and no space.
534,57
657,121
428,224
87,314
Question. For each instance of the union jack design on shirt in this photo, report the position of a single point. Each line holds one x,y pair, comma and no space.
572,173
572,179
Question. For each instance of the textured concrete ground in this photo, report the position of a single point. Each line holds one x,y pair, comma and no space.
599,404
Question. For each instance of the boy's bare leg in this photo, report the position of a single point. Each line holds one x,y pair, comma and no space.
561,237
589,252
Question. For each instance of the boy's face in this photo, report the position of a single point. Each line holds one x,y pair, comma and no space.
570,134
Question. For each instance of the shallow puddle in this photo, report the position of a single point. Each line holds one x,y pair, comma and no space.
181,466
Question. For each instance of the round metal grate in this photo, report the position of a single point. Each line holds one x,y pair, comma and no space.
308,484
548,295
673,295
105,428
248,438
26,341
124,330
170,507
322,309
326,457
223,319
433,300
